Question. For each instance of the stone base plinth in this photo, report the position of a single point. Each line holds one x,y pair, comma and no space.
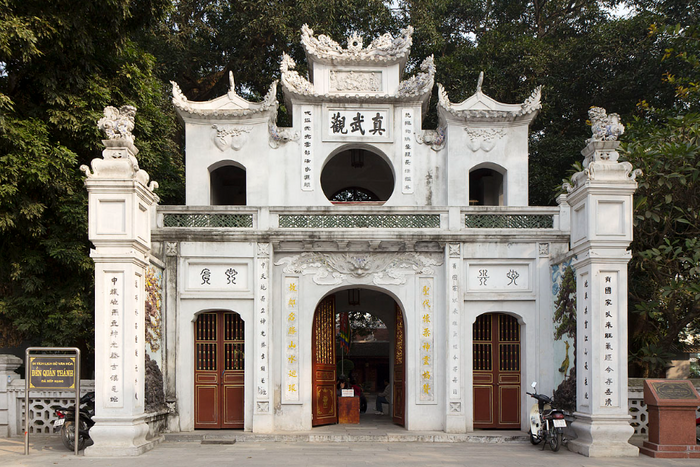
455,424
120,437
603,436
671,451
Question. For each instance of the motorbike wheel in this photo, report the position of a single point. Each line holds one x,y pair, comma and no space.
68,435
555,440
534,439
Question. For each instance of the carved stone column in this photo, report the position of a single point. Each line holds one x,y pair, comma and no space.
601,231
455,418
120,206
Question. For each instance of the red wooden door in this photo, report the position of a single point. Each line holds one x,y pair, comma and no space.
323,401
219,370
399,396
496,372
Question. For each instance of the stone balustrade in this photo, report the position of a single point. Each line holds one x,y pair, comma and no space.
362,217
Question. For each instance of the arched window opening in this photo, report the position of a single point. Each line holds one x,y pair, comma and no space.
228,186
485,188
357,176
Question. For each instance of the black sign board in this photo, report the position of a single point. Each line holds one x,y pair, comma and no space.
52,372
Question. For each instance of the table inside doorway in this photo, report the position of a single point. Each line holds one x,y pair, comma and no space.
349,410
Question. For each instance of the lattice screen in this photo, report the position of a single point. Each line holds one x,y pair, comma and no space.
348,221
208,220
508,221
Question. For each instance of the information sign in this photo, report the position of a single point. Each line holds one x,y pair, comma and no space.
52,372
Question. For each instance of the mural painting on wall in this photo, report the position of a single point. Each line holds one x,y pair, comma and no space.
155,396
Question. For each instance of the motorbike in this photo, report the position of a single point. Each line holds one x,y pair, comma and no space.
546,422
66,422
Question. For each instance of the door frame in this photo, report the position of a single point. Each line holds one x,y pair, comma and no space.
221,378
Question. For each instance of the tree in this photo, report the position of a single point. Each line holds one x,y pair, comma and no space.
61,63
665,266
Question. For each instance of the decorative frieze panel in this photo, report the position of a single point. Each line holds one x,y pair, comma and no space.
406,148
488,277
221,276
232,137
344,81
379,269
208,220
365,123
290,350
508,221
483,139
426,340
359,221
262,329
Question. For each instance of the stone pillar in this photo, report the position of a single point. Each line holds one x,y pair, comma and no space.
8,365
601,231
120,204
455,418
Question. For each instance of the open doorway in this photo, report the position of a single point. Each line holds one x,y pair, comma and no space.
358,344
357,176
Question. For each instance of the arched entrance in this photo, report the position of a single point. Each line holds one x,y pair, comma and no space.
219,370
496,351
325,355
357,176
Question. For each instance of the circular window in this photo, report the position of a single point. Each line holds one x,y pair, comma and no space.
357,176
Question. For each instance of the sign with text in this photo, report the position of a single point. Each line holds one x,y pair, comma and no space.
52,372
367,124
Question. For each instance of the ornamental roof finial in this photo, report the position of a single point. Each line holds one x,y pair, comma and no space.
480,82
118,123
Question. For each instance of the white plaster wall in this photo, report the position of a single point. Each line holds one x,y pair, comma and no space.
509,153
190,304
273,176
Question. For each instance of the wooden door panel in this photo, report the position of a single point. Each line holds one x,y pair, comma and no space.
219,370
509,407
233,409
483,404
323,401
496,363
206,400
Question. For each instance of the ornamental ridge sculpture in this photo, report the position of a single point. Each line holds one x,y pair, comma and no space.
600,161
380,269
118,123
604,127
385,48
506,112
229,105
419,85
118,159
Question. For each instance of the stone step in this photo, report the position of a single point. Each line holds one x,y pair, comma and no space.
231,437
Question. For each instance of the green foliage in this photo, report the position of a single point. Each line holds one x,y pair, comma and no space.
61,63
565,311
665,267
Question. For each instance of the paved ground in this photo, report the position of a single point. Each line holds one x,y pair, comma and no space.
48,451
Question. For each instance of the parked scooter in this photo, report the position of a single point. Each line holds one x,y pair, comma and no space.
546,422
66,420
